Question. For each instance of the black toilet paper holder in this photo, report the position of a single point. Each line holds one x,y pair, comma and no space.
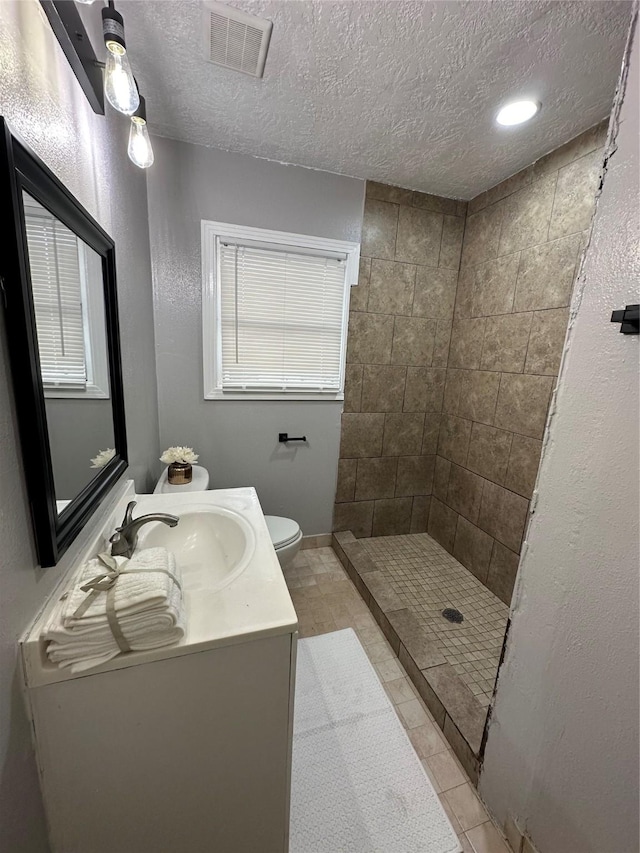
284,437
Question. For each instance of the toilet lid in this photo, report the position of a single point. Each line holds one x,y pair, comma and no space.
282,530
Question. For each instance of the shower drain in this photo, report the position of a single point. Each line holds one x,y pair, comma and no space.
452,615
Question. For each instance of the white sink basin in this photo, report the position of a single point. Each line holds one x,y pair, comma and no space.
233,588
213,545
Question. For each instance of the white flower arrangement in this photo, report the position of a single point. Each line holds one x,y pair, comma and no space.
103,458
183,455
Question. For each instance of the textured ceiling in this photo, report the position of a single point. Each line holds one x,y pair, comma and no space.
402,92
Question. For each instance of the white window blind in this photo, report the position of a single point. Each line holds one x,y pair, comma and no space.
280,323
57,294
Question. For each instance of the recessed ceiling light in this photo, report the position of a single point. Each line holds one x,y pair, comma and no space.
517,113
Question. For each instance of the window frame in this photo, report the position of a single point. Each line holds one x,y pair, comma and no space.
214,232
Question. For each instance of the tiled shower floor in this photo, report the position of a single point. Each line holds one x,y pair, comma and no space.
428,579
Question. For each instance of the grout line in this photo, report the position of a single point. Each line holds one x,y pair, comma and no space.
553,203
441,239
395,242
506,473
495,408
526,353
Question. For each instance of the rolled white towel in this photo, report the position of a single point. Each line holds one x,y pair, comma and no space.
148,607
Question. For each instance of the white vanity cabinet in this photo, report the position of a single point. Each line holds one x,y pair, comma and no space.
180,750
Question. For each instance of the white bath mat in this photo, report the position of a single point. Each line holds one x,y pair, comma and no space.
357,784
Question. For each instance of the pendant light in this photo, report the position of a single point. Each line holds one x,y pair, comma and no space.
119,85
140,150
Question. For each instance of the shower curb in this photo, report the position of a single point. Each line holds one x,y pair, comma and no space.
453,706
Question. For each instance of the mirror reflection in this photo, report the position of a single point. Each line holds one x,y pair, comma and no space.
68,297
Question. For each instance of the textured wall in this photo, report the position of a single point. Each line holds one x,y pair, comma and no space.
238,440
399,328
44,104
562,751
522,242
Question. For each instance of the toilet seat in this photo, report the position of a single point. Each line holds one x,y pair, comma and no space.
283,531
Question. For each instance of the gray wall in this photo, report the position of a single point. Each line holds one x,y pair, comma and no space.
44,104
78,430
562,750
238,441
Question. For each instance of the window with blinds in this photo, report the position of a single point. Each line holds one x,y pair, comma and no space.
57,294
280,319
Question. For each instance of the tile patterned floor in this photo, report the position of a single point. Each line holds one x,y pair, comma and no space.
326,600
428,579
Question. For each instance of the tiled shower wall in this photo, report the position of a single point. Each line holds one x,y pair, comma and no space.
522,242
399,330
443,425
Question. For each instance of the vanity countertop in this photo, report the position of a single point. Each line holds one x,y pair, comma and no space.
254,604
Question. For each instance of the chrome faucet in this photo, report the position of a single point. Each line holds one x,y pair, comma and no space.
125,539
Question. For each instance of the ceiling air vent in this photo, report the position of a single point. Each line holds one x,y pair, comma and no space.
235,39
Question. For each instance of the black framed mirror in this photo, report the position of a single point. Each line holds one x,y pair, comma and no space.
58,279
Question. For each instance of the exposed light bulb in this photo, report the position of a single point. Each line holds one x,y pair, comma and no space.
86,2
517,113
140,150
119,85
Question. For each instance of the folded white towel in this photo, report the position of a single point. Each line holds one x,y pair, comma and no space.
147,601
134,593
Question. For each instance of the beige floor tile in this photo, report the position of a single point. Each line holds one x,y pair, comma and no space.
329,586
454,820
446,770
326,627
426,740
432,778
485,838
364,620
356,606
412,714
389,670
369,636
306,593
323,554
321,612
465,844
343,621
321,568
400,690
466,806
379,652
334,600
338,606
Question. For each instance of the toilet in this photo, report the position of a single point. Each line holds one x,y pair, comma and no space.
285,533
